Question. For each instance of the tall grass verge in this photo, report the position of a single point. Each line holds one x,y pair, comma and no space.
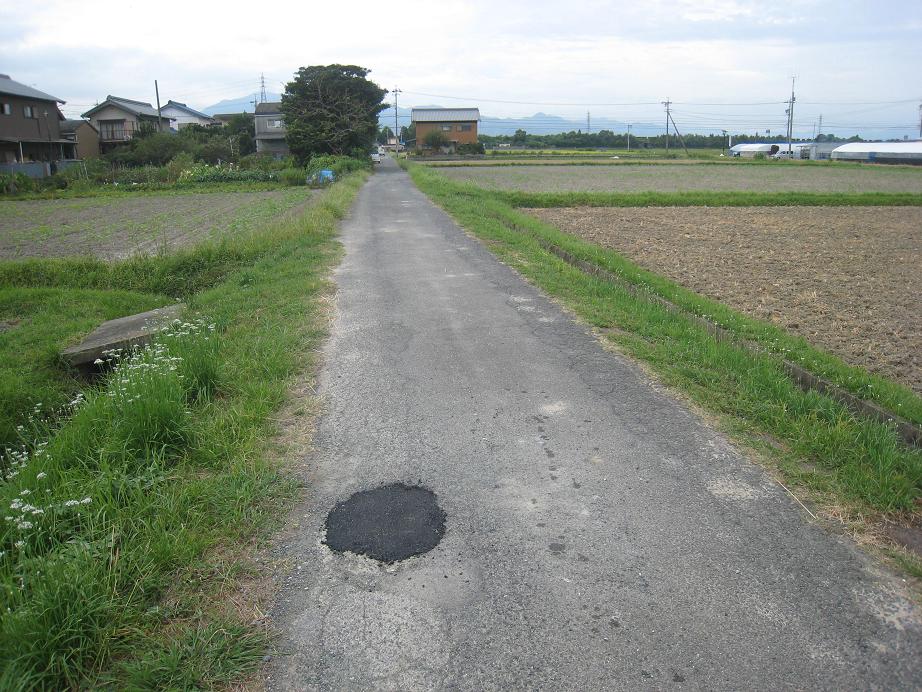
126,501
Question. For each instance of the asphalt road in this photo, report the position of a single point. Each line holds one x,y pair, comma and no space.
599,535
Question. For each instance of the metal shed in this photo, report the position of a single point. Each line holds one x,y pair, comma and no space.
748,151
880,152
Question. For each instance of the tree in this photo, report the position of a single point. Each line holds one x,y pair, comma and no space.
436,139
331,109
384,134
519,137
408,133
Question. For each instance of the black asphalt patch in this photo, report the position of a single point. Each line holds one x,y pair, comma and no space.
388,524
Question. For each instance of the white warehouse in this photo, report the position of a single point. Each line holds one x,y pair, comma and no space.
748,151
880,152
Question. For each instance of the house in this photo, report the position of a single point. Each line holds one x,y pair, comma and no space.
459,125
224,119
83,135
270,130
183,115
30,130
118,119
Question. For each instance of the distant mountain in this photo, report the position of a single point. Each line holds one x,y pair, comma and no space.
237,105
538,124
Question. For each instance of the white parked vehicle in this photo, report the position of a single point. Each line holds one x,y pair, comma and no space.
376,158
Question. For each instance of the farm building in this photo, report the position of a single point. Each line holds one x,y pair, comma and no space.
820,151
459,125
748,151
880,152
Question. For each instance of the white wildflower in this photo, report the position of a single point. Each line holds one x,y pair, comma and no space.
41,475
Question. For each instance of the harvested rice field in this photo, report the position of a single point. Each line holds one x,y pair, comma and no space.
848,279
116,227
692,177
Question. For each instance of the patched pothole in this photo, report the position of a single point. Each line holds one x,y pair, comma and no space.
388,524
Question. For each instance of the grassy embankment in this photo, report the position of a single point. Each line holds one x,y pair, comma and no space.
816,443
130,518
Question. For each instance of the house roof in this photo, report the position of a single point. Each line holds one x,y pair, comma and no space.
184,107
139,108
268,107
444,115
72,125
14,88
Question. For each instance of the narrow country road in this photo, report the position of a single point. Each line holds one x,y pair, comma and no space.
599,535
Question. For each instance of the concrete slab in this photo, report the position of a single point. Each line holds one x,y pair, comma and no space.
124,332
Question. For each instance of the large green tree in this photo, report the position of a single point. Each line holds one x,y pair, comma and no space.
331,109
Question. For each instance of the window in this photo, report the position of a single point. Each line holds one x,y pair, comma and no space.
28,111
6,109
464,127
446,128
274,124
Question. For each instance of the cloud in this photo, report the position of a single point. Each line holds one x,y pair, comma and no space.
703,51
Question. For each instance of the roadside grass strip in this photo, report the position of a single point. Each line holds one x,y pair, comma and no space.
124,527
823,445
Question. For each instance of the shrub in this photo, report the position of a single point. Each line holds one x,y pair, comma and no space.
472,148
340,165
293,176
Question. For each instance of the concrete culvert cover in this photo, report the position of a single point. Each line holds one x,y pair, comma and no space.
388,524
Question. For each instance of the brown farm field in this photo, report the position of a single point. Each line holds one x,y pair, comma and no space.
848,279
116,227
690,177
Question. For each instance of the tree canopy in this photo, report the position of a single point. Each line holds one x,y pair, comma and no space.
331,109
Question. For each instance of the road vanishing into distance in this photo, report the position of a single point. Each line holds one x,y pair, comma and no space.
598,534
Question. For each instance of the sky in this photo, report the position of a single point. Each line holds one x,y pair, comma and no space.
725,64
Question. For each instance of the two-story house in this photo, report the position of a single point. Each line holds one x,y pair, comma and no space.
118,120
270,130
30,129
182,115
459,125
83,135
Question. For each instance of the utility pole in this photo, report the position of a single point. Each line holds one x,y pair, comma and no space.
629,136
396,124
159,121
588,123
819,128
727,135
254,102
667,103
790,113
262,88
920,121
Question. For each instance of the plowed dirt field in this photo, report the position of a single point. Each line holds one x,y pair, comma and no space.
848,279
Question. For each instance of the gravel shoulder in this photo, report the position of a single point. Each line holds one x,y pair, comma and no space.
847,279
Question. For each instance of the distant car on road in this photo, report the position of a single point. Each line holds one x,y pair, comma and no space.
376,158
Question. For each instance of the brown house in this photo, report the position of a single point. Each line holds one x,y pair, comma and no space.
83,135
459,125
30,129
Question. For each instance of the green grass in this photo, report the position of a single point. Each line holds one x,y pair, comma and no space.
128,589
158,189
859,461
46,320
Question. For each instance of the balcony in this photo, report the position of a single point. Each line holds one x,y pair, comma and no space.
117,130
